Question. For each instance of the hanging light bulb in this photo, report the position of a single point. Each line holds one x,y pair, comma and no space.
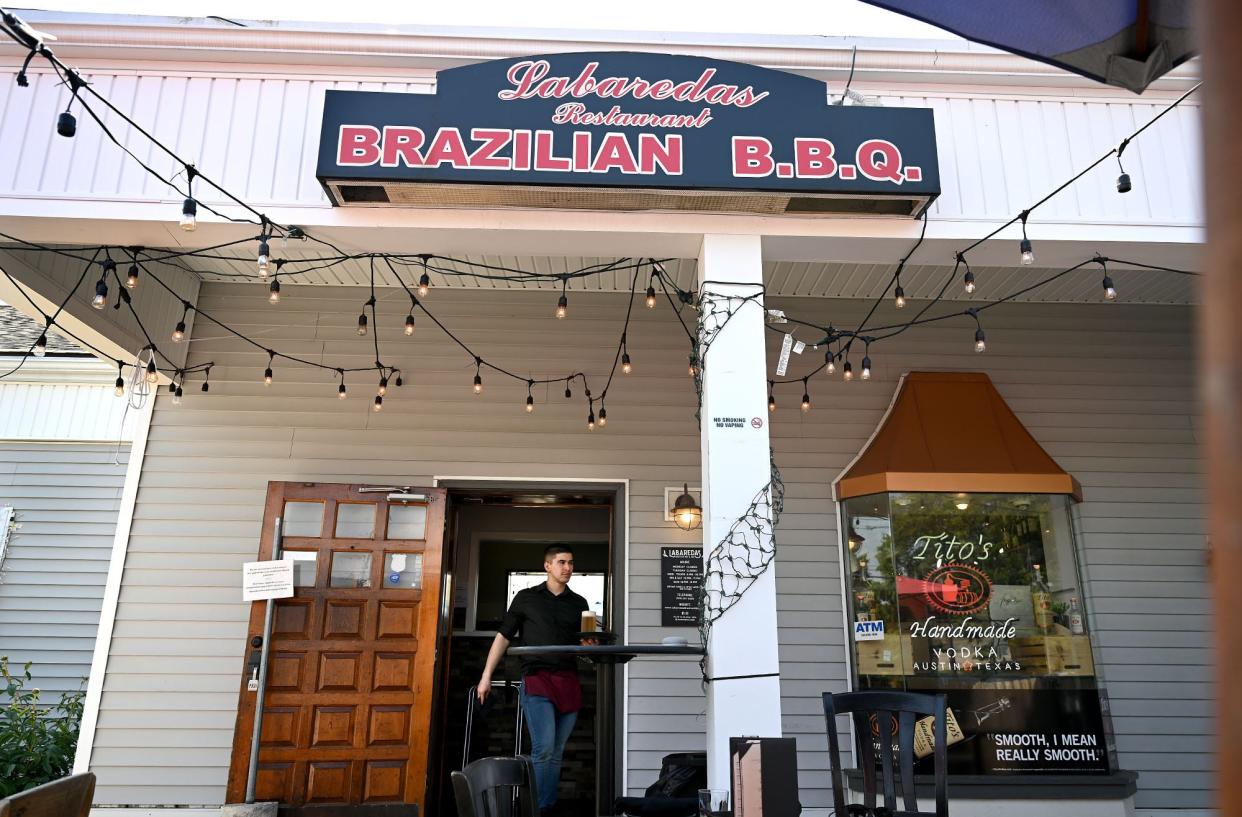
626,366
866,367
101,294
591,420
189,215
40,347
409,324
694,365
66,125
383,386
1123,183
178,333
771,400
267,376
651,298
847,371
1027,254
362,324
830,361
568,393
900,297
969,281
478,375
603,416
806,397
274,292
131,277
119,390
980,340
177,396
562,307
378,405
1110,292
530,404
341,391
399,382
206,387
153,374
264,259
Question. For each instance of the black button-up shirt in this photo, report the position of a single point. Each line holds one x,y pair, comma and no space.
540,618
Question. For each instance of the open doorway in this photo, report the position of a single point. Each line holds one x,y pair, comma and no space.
494,547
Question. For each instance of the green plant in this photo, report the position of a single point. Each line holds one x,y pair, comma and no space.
37,742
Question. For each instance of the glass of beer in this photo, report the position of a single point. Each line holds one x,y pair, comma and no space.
589,621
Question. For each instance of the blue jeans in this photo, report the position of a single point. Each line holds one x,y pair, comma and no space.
549,731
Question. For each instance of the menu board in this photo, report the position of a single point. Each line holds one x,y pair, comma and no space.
681,576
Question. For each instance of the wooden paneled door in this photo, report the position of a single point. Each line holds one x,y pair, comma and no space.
352,654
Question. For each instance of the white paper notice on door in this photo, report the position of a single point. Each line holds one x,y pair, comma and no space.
267,580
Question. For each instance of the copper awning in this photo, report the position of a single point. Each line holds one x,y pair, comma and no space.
949,432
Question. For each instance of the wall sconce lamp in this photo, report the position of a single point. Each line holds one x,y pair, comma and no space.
687,512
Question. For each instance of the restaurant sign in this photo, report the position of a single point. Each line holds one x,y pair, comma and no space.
629,120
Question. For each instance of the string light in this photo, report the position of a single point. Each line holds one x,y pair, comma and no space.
178,332
847,371
806,397
119,389
562,304
1123,181
1110,292
591,418
206,387
274,291
399,381
603,415
626,365
383,386
409,323
341,391
362,317
378,405
981,344
66,123
568,393
40,347
177,392
424,280
968,280
866,364
1026,253
694,365
101,286
265,253
267,373
189,207
651,296
131,276
530,398
771,397
478,375
153,374
829,361
899,294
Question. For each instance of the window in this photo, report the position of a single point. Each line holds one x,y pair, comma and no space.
978,596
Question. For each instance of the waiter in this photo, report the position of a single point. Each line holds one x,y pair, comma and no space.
547,614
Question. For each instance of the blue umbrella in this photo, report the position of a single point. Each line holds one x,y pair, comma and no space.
1129,43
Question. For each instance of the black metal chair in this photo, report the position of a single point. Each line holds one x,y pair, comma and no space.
497,787
875,713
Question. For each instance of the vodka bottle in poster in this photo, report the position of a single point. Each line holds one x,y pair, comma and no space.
1041,601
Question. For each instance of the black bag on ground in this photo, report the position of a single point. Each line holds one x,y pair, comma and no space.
675,793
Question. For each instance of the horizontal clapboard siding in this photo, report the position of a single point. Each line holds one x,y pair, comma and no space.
1108,389
66,498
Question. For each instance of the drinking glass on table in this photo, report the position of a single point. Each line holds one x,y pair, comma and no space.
713,802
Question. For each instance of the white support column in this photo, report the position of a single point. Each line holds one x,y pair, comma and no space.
736,466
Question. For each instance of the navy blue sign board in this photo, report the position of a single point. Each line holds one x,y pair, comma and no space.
629,120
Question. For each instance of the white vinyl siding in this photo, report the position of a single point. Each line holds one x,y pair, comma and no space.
259,136
1107,389
65,498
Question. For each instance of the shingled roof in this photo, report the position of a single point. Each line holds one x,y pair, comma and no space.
18,333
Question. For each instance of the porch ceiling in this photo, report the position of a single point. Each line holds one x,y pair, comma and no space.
828,279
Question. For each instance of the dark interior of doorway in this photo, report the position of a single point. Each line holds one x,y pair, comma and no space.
494,535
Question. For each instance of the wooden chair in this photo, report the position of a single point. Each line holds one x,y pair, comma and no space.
496,787
875,713
66,797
